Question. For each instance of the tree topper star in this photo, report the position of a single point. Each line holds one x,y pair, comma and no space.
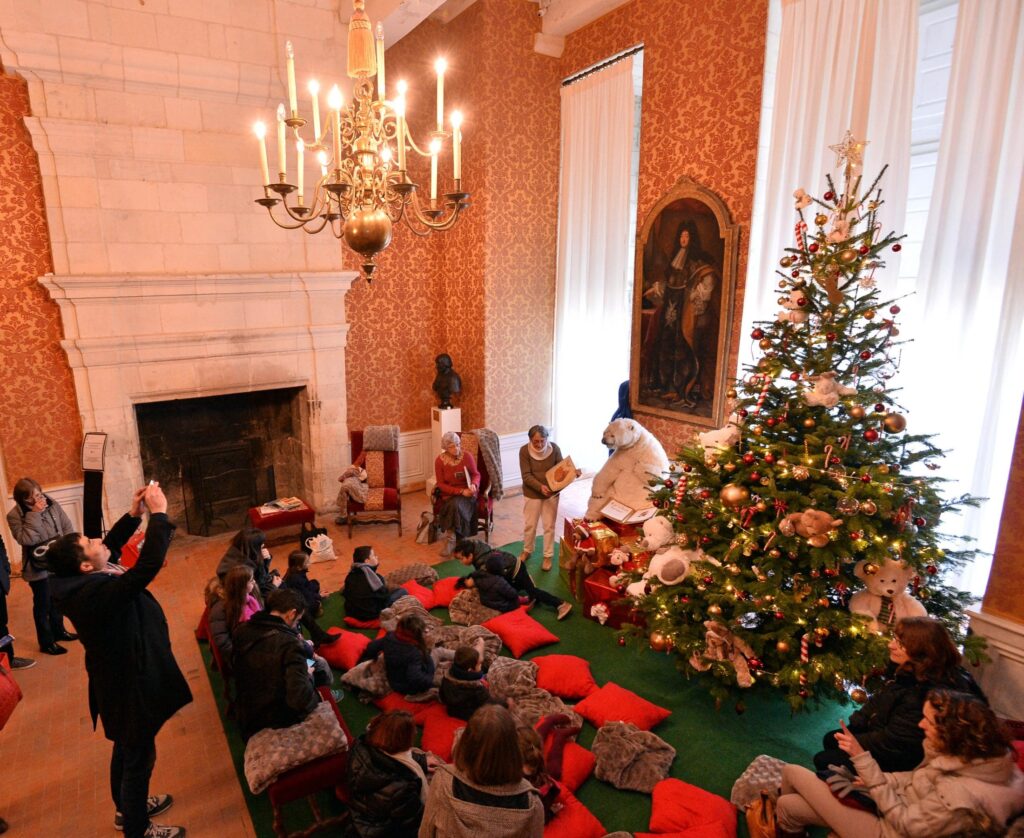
850,149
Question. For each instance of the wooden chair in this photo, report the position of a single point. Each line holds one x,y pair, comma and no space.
386,499
326,773
484,500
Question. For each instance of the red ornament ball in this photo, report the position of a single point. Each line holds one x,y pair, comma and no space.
755,663
830,336
896,248
687,468
622,641
865,478
749,458
757,334
669,484
871,435
769,458
705,540
684,599
830,572
801,301
779,615
931,570
794,273
742,413
865,355
770,422
919,522
813,247
755,476
705,494
794,376
828,196
708,580
879,408
894,309
864,249
708,515
805,693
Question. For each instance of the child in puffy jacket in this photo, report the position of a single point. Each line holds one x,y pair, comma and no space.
464,687
492,584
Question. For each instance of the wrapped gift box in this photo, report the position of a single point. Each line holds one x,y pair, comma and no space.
597,589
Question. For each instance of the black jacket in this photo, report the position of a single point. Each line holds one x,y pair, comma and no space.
495,591
462,693
384,793
274,687
409,672
887,724
264,578
298,580
360,601
135,684
5,569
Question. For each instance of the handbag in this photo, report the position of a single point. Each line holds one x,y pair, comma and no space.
320,548
426,530
10,692
306,532
761,817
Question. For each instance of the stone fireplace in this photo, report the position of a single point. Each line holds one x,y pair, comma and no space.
134,340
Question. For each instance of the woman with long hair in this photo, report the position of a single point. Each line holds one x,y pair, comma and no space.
968,783
249,547
484,792
458,483
235,604
922,657
35,521
387,778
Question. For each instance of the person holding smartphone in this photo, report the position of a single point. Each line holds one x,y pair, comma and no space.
35,521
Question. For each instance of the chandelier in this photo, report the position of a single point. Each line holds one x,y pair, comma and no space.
364,186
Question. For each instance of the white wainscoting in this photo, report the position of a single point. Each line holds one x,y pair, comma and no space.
1002,678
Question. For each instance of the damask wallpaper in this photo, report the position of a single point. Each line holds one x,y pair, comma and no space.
39,425
703,62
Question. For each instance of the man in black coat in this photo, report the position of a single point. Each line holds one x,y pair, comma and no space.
135,684
272,672
6,641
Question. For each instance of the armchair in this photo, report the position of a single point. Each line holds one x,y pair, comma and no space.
376,450
485,498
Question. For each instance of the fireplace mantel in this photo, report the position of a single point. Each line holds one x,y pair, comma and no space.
135,338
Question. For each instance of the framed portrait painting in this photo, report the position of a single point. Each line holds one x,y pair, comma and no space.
683,298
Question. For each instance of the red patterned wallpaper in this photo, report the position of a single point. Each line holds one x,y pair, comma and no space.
40,429
703,62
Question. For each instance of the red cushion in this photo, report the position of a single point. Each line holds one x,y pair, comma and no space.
423,594
520,632
1018,746
566,676
344,653
439,733
612,703
282,518
574,821
362,624
712,829
577,765
396,701
444,590
678,806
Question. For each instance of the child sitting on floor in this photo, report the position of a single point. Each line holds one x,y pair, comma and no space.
463,688
297,579
409,662
366,591
491,583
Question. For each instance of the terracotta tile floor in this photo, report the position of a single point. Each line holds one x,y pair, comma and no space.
56,780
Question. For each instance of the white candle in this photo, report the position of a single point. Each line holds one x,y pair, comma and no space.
260,130
293,99
314,93
400,126
334,102
281,158
435,147
300,148
440,65
457,144
380,61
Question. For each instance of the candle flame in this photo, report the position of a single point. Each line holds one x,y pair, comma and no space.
314,87
259,129
334,99
440,66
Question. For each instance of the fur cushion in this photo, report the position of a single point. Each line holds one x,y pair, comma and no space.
369,676
467,610
612,703
273,751
520,632
344,653
629,758
422,573
566,676
677,806
574,820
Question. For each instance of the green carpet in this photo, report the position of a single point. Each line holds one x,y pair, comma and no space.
713,746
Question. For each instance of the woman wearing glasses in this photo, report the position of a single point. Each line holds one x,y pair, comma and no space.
922,657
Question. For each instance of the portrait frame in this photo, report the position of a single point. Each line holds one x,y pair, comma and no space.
683,302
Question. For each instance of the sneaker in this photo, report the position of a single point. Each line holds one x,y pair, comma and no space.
156,804
546,564
22,663
564,609
159,830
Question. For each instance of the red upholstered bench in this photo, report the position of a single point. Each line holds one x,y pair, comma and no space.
305,514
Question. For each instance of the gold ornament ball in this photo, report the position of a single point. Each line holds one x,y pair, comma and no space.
659,641
868,507
734,569
782,647
714,610
856,412
821,219
730,467
764,343
734,496
731,393
821,632
783,283
774,553
870,569
756,430
859,695
809,422
894,422
786,261
848,255
800,473
870,314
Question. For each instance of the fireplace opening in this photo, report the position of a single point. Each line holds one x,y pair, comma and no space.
217,456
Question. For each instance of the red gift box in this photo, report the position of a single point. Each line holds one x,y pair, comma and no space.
597,589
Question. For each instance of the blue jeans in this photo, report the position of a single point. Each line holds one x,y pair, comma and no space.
49,621
130,769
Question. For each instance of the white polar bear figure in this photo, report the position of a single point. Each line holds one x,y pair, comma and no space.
669,567
721,438
637,458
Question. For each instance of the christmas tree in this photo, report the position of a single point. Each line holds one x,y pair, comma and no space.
815,488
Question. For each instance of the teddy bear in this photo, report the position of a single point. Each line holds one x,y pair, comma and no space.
885,599
721,438
670,563
827,390
794,309
812,524
637,458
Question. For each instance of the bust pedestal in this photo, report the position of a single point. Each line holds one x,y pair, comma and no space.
441,422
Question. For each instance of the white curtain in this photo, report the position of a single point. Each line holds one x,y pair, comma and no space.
842,64
592,307
964,372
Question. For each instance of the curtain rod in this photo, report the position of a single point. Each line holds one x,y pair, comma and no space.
582,74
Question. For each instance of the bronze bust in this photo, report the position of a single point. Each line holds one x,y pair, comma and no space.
447,382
